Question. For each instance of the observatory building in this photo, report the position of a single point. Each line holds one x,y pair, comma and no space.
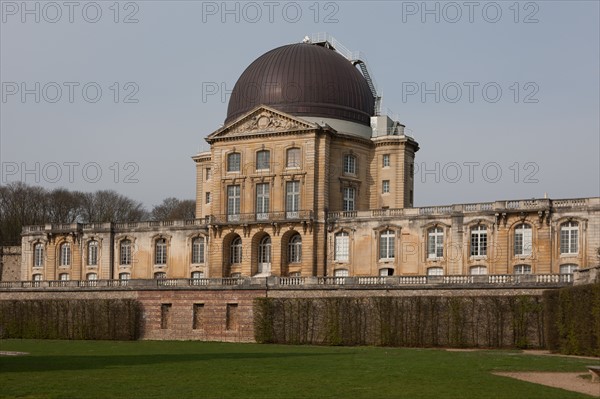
308,178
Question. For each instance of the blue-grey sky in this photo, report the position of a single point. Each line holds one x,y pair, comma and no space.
503,97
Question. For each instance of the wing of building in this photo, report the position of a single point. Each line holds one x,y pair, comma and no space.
306,178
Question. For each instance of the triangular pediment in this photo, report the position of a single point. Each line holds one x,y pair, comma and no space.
262,120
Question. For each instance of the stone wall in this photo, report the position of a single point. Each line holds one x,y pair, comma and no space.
10,263
226,313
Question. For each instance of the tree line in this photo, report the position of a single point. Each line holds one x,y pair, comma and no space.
22,205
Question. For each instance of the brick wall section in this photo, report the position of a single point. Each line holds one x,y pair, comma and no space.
211,323
10,263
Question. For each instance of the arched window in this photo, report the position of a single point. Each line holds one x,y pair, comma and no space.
264,255
37,277
569,236
160,251
235,253
38,255
293,158
92,276
124,276
435,243
263,160
568,268
198,250
234,162
65,254
63,276
92,253
477,270
435,271
160,275
125,252
479,240
295,249
523,239
350,164
341,244
349,199
387,244
522,269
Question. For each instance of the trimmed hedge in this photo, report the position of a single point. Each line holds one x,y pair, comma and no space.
490,321
111,319
573,320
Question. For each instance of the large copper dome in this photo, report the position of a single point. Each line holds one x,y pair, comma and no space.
304,80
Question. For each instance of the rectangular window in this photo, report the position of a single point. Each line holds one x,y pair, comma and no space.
435,243
263,198
523,240
231,317
65,255
125,253
569,233
293,158
208,174
198,250
479,241
234,162
198,316
92,253
292,202
208,197
342,244
161,252
38,256
165,316
350,164
233,203
386,160
349,196
385,186
263,160
387,244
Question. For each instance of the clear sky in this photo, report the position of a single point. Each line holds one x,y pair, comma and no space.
503,97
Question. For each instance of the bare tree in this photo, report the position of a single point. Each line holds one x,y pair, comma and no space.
22,205
173,209
110,206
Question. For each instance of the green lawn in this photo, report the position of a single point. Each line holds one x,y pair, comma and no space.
154,369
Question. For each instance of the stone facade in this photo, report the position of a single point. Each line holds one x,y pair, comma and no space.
330,194
342,243
10,263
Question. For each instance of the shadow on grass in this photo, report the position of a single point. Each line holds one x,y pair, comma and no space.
67,362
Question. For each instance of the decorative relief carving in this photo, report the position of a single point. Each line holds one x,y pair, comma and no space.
266,122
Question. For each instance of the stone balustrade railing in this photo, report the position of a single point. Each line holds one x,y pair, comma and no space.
275,282
498,206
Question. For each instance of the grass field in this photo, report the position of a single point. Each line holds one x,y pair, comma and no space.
154,369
